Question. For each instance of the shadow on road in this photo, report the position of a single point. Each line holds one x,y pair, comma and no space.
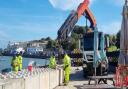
77,75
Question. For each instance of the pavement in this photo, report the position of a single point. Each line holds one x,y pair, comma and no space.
77,81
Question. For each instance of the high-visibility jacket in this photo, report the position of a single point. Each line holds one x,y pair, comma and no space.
67,64
52,63
20,59
15,64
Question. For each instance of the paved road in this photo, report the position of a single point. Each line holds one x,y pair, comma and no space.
77,81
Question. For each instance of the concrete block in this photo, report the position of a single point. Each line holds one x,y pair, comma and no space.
0,86
61,76
32,82
57,77
53,77
44,80
14,84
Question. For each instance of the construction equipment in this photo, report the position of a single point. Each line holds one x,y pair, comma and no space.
89,41
72,19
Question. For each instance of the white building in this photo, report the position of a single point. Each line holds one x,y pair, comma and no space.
36,47
16,46
37,44
31,47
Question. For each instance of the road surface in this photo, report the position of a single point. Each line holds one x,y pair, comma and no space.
77,81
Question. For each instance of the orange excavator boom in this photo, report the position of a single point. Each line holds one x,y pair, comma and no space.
73,18
83,8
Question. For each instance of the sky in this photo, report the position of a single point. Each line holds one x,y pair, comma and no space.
24,20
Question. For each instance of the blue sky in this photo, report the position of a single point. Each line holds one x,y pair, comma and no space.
23,20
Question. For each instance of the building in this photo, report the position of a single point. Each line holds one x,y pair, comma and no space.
37,44
16,46
34,50
30,47
36,47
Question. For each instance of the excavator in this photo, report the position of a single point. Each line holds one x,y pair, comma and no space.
73,18
89,41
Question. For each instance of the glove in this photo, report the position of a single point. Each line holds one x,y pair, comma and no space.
66,67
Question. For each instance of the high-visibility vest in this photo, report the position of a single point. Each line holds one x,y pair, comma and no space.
20,59
67,63
52,62
15,62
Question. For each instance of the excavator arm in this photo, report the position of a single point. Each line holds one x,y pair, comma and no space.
73,18
84,10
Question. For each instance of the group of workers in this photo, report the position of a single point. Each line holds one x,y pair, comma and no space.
67,66
16,62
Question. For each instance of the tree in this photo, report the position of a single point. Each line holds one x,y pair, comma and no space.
74,44
65,45
112,40
50,45
79,30
42,39
48,39
75,36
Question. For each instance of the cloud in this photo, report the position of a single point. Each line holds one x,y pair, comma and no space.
117,2
111,28
73,4
66,4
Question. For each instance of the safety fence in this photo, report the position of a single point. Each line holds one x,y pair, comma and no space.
121,76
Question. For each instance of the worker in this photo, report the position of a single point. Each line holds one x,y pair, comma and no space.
52,63
15,63
20,59
67,68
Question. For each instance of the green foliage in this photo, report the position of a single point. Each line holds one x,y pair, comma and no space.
51,44
48,39
65,45
79,30
112,40
74,44
115,40
70,45
75,36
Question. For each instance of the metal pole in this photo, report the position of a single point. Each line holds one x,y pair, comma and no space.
126,1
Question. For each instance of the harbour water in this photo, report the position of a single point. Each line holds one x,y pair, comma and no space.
5,62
